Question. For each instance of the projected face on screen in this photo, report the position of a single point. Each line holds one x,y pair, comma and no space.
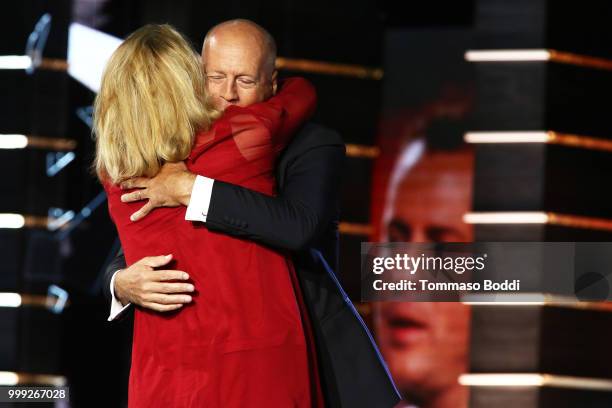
426,344
431,199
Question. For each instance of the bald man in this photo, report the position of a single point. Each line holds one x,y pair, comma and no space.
238,58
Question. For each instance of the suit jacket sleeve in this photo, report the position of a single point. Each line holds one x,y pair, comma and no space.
117,263
304,207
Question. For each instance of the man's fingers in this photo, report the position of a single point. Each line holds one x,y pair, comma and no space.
161,308
156,261
144,210
166,275
136,182
171,287
137,195
164,299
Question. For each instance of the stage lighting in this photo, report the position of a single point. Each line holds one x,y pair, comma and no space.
17,141
533,380
88,52
13,378
17,221
9,378
551,137
15,62
507,55
13,141
507,137
517,217
33,58
8,299
12,221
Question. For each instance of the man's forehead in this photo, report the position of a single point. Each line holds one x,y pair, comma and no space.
247,45
232,58
435,193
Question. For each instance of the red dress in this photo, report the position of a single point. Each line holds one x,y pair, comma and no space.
244,340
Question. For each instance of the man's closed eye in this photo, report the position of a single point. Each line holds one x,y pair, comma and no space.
215,78
246,83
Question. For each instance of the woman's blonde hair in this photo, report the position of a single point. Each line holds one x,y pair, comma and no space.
151,103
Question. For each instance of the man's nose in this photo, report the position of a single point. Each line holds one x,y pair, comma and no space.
229,92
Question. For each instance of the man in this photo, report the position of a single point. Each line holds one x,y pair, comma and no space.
425,343
238,58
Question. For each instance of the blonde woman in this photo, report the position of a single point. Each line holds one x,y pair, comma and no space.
241,340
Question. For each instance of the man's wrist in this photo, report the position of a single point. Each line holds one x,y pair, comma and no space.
185,186
199,202
117,306
117,288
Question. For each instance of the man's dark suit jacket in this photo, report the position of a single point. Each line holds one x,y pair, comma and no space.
303,218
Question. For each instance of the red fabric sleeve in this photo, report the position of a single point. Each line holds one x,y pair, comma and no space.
270,122
298,100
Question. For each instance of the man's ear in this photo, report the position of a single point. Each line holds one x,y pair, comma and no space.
274,82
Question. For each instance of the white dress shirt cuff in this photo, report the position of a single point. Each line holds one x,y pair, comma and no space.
116,307
197,210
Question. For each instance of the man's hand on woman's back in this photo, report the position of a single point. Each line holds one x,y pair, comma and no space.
171,187
143,285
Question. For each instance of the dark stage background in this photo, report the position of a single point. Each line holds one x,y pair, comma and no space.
394,80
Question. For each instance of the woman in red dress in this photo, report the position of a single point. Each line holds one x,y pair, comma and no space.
244,340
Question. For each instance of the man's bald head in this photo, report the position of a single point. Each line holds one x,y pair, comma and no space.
239,57
245,32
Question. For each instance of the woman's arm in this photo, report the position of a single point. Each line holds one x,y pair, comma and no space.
298,100
282,114
270,122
